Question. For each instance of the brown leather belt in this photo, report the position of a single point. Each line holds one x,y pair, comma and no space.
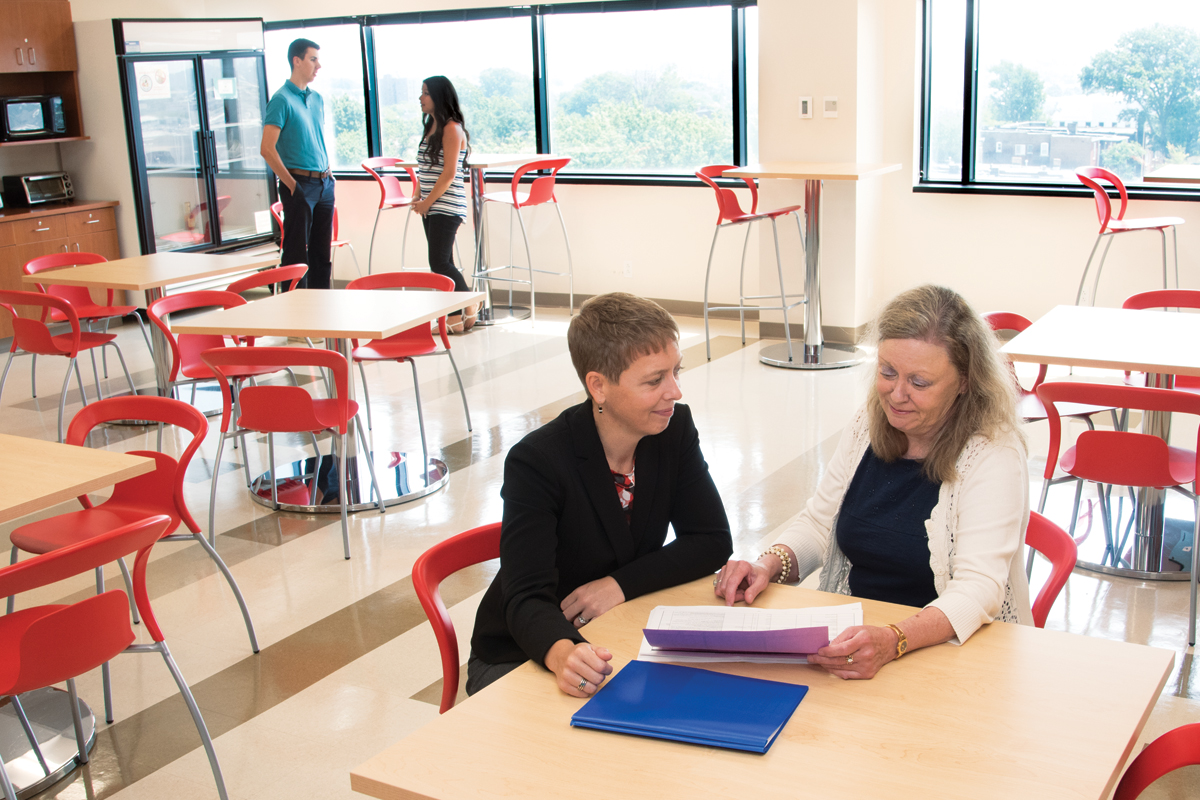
308,173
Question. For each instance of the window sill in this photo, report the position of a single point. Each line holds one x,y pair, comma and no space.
595,178
1138,192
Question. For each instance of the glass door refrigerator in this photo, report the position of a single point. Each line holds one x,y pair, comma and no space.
195,94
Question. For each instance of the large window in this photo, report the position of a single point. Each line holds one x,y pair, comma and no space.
637,88
339,82
1058,86
489,61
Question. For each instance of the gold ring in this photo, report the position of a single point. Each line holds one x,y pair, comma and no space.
849,659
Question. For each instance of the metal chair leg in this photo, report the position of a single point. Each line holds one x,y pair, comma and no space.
129,591
4,377
1100,269
237,592
12,599
529,263
105,677
76,722
707,274
96,374
366,394
403,240
201,728
461,390
742,284
1195,572
10,791
371,251
271,470
787,328
342,499
366,454
212,492
1086,268
19,710
33,376
570,264
62,398
420,418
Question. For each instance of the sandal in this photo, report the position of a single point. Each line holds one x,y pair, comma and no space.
454,324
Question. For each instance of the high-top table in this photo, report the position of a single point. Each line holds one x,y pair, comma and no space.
37,474
817,354
340,316
152,274
1160,343
1015,712
1174,173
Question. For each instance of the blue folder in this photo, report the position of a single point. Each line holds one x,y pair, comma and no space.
685,704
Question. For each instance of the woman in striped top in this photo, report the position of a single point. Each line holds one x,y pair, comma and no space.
443,200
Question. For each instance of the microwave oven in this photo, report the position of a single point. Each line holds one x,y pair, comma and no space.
32,190
33,117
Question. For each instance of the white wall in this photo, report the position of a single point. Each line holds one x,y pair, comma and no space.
1020,253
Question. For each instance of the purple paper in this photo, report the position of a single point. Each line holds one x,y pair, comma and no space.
797,641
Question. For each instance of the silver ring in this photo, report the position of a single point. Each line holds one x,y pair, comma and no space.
582,620
716,580
582,684
849,659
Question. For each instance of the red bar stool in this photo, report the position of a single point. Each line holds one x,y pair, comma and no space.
33,336
1111,225
539,192
1167,299
334,244
429,570
729,213
391,195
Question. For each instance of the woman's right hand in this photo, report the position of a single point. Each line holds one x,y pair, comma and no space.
580,668
742,580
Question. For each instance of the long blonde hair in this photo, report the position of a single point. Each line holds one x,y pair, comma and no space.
988,406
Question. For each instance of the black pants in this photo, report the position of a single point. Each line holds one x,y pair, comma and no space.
439,232
308,229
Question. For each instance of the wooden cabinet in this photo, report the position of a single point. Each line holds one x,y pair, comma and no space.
36,36
26,234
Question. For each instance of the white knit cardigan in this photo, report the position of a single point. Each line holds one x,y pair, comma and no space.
975,532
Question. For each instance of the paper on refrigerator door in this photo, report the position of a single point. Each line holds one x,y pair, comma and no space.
741,619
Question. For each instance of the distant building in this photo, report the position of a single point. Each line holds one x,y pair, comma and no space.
1035,147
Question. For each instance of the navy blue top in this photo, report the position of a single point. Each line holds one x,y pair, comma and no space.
881,529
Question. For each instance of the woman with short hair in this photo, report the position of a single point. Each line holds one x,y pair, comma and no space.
926,500
588,499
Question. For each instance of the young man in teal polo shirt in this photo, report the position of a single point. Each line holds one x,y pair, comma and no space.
293,146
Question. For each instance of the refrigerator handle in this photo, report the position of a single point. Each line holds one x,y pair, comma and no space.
212,151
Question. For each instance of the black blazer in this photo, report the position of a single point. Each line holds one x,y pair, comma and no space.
564,527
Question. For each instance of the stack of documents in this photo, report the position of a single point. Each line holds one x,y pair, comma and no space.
685,704
707,634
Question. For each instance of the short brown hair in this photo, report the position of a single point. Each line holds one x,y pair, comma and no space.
988,406
613,330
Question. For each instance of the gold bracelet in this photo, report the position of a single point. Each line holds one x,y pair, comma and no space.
784,558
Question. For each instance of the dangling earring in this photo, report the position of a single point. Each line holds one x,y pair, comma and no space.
600,409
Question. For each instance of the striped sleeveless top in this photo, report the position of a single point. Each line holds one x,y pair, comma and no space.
453,201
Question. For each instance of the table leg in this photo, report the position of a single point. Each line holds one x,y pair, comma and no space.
49,715
817,354
162,350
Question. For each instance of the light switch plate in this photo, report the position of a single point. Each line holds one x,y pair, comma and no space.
806,108
831,104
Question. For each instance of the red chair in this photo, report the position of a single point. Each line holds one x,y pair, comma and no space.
157,492
1060,550
429,570
1173,750
187,347
277,213
1124,458
391,195
80,297
410,344
730,213
289,409
539,192
196,225
48,644
1113,224
1168,299
270,277
33,336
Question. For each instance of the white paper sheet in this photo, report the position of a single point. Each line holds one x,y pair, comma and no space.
740,618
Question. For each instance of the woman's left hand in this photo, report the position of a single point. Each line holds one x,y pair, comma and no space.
857,653
421,206
591,600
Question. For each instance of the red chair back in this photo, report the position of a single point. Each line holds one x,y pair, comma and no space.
420,334
1057,546
64,641
391,191
72,294
267,277
1091,177
1011,321
159,492
1163,298
277,213
32,335
1117,457
187,347
542,188
728,207
280,409
1173,750
430,569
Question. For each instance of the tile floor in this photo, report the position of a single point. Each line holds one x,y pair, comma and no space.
348,665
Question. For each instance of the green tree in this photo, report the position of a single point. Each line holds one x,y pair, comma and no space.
1156,70
349,130
1125,159
1018,93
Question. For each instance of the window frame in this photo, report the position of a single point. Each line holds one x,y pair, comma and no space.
967,183
537,13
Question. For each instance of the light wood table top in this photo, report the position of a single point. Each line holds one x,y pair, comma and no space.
329,314
493,160
1015,712
155,271
811,170
1111,338
1174,173
37,474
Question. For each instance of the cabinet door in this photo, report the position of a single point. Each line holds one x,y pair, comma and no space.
12,48
102,243
49,38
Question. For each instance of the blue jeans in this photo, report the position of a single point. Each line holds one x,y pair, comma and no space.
308,229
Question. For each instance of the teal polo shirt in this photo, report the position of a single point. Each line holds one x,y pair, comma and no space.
299,115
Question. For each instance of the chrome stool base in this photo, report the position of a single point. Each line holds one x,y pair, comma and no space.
49,714
826,356
400,480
